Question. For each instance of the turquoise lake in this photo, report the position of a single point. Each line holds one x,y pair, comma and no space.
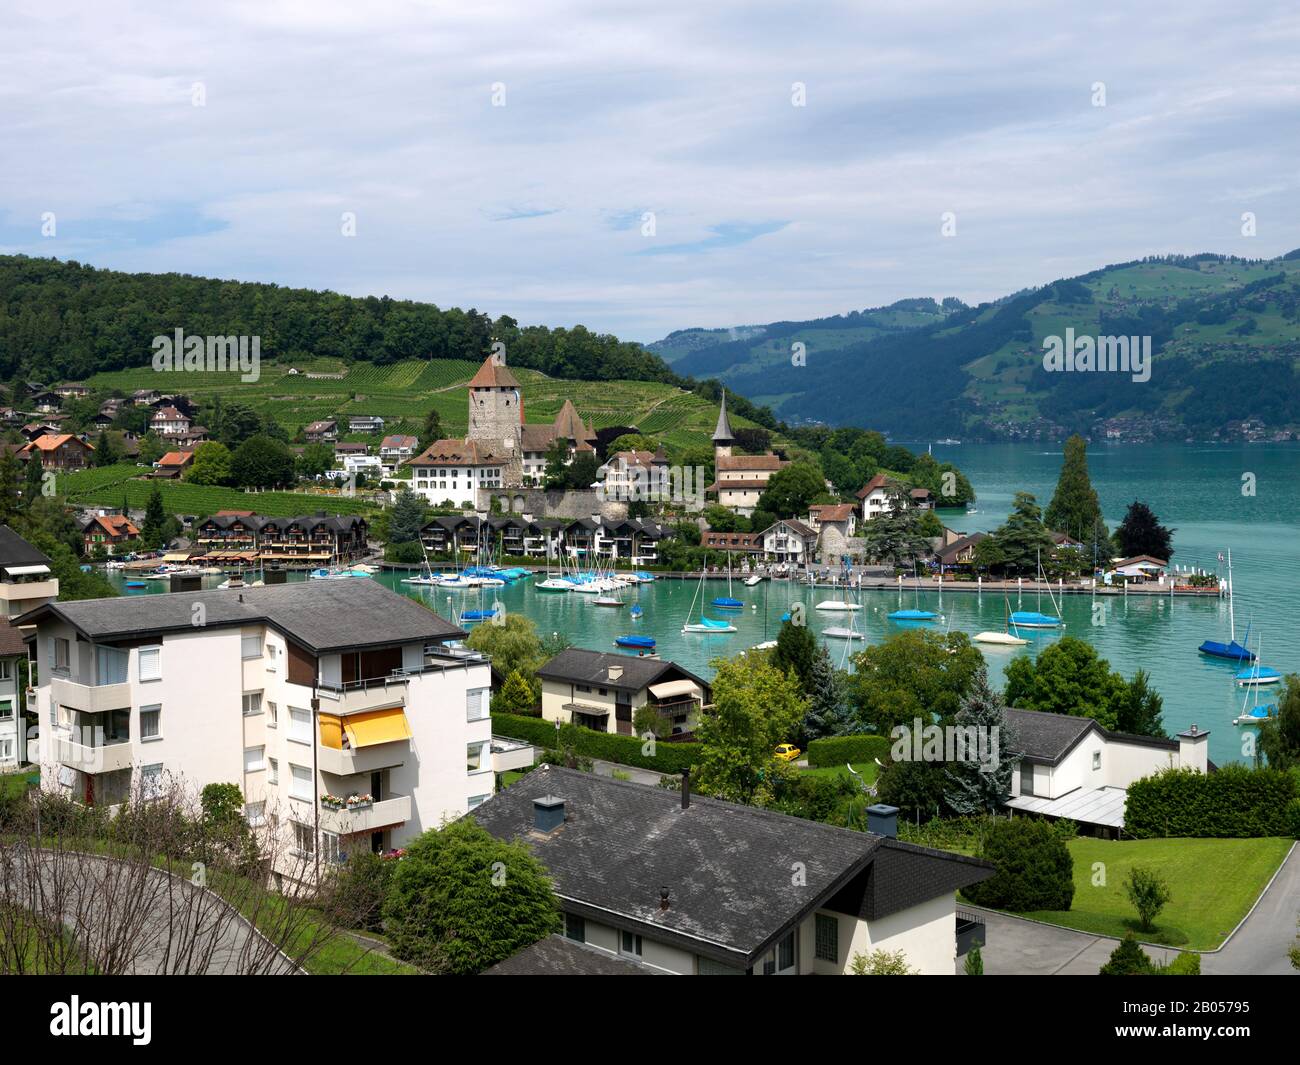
1195,489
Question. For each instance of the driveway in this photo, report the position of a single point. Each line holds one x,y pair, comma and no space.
1258,946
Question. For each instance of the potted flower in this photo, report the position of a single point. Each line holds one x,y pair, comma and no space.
359,802
332,802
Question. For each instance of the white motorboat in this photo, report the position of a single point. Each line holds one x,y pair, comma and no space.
839,632
1000,639
838,606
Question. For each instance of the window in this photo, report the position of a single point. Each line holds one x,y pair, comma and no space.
150,663
575,928
250,645
304,840
151,781
6,750
476,704
6,669
475,756
300,782
150,723
1096,759
255,813
1026,778
272,715
630,943
254,759
329,848
299,725
827,930
478,800
273,771
583,687
270,657
6,709
252,703
62,653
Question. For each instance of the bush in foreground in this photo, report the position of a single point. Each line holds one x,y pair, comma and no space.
1035,870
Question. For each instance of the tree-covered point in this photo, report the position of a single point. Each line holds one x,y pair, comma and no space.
850,457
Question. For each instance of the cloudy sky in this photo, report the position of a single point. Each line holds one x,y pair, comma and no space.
505,155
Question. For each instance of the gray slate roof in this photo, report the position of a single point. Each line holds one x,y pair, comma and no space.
1047,738
577,665
15,551
731,871
555,956
321,615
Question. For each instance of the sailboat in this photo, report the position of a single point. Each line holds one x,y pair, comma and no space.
705,624
726,602
427,576
1257,711
1036,619
1232,650
1257,676
1005,638
913,615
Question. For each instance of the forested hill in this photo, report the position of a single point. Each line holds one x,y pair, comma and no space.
1225,337
67,321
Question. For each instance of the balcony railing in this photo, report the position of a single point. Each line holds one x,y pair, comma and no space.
971,931
391,811
349,761
90,698
93,759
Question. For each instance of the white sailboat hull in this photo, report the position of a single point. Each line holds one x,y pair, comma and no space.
1001,639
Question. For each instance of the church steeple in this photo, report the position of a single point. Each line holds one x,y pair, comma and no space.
723,437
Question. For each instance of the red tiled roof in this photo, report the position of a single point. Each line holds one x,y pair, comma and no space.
493,374
750,462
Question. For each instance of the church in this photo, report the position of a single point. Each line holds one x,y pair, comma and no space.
501,450
739,479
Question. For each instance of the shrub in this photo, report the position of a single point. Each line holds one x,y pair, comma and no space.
1148,892
881,963
1034,868
1186,964
838,750
608,746
1236,801
1293,817
974,962
1128,959
359,890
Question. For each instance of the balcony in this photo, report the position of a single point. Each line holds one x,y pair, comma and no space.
358,696
345,763
384,814
971,931
90,698
510,755
94,760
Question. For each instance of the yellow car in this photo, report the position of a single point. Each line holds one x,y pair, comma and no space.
788,752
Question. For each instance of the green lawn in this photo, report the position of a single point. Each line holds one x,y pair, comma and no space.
1214,883
17,783
866,769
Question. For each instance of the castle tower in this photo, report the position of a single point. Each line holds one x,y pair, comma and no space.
723,437
496,415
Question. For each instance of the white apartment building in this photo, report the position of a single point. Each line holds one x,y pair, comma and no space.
455,470
13,734
337,707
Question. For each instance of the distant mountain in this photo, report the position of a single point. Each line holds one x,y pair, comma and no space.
1224,334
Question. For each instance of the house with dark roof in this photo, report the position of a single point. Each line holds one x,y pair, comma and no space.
960,553
328,702
1071,767
677,883
325,430
790,541
601,690
25,577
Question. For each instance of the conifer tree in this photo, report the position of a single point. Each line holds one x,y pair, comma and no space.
975,784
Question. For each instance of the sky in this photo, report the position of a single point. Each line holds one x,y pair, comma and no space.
641,168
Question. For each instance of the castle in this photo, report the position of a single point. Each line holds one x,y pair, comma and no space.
501,450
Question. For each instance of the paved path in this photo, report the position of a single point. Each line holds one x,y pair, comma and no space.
1258,946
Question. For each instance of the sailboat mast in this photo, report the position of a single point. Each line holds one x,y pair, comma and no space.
1232,620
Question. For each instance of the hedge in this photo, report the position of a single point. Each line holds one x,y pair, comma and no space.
836,750
608,746
1235,801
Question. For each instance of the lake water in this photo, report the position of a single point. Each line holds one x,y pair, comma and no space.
1197,490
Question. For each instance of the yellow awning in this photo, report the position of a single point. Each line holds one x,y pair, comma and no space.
331,731
377,726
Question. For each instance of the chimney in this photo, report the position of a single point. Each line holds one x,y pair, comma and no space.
1194,750
615,672
883,820
663,897
548,814
686,788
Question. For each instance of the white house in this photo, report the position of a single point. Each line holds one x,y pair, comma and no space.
790,541
168,421
653,881
370,465
1074,768
602,691
13,734
456,470
396,449
336,706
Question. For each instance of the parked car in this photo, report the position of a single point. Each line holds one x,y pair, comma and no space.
787,752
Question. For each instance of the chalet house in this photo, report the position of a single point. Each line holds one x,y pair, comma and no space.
632,539
46,402
61,451
1140,568
103,420
168,421
173,464
109,532
34,429
344,447
145,397
396,449
662,882
601,691
317,539
960,553
72,390
735,542
324,431
789,541
190,438
365,423
921,498
1073,768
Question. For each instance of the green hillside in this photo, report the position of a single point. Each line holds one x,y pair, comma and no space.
1225,337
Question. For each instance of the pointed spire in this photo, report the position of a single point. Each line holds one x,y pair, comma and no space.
722,434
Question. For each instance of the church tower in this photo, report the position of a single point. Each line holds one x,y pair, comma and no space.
723,437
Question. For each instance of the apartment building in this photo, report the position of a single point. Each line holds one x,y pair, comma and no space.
13,733
338,707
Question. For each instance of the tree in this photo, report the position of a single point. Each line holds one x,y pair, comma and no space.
912,674
827,709
916,788
512,643
974,964
632,442
980,785
1279,736
756,707
461,900
315,460
1128,959
261,462
515,697
9,474
1149,893
795,650
1074,509
881,963
154,530
1018,544
152,448
211,464
1139,708
106,451
897,535
407,517
431,432
1068,678
1035,870
792,489
239,422
1140,533
33,479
